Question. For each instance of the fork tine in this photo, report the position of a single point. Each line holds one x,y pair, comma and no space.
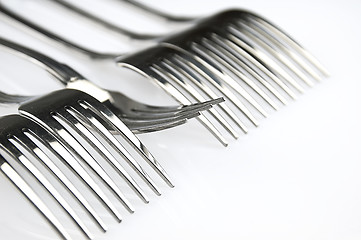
164,123
216,76
236,86
210,44
31,147
83,154
289,40
19,156
235,43
290,52
206,90
119,126
90,119
82,130
226,46
19,182
276,54
174,114
174,109
170,73
65,146
171,90
213,79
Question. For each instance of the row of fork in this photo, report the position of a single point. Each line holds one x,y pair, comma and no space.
71,124
235,54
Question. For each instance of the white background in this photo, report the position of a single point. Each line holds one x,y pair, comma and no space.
297,176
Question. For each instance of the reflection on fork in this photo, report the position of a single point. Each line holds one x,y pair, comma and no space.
235,54
61,122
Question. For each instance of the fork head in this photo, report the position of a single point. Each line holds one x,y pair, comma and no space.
244,31
137,116
69,123
221,55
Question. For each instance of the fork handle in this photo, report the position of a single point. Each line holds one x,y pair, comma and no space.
60,71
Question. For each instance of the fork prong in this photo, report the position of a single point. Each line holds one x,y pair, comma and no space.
174,76
30,167
227,46
235,43
31,147
75,121
207,56
201,118
173,109
206,90
289,40
119,126
29,193
216,76
290,52
218,48
175,115
176,94
244,30
235,85
140,124
91,120
90,161
64,147
201,68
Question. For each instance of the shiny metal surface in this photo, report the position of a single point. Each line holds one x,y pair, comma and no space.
139,117
225,51
49,119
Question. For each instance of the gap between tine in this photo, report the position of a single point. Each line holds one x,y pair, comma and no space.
19,182
275,54
177,119
171,74
290,52
22,128
216,76
211,58
89,119
119,126
235,43
75,119
47,162
225,45
231,67
28,165
155,74
244,66
175,93
117,146
65,146
274,30
81,151
213,78
189,75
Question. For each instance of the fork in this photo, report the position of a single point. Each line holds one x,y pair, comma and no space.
50,119
139,117
222,50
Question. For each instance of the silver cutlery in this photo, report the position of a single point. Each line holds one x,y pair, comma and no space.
214,58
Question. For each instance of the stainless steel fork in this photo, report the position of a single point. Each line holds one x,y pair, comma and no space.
139,117
216,57
50,120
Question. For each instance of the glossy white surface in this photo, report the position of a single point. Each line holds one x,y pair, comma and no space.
297,176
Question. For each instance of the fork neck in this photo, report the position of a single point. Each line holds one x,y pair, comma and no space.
62,72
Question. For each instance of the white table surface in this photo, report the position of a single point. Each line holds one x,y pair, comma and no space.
297,176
